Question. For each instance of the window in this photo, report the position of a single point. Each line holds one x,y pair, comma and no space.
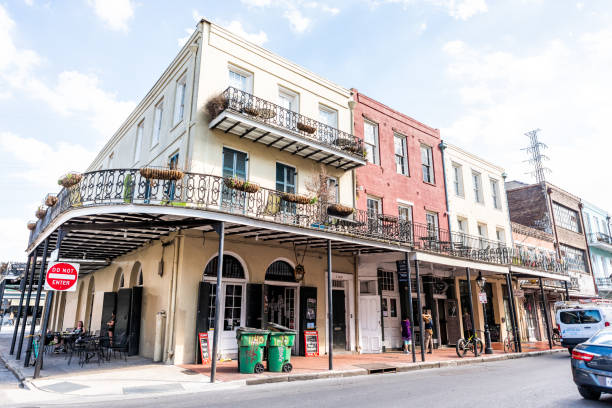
285,182
477,180
328,116
157,123
386,281
462,225
179,100
171,186
332,190
458,179
233,307
401,155
495,194
482,235
138,146
374,209
500,234
432,224
280,271
241,80
589,229
580,316
212,297
288,99
370,135
427,162
574,257
405,216
234,166
566,218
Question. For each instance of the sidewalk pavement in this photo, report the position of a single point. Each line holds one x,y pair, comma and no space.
140,377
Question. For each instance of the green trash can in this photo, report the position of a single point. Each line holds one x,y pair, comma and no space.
279,349
251,343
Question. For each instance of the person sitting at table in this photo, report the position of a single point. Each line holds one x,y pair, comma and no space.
76,333
110,328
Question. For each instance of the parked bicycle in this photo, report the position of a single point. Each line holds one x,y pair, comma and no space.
509,344
556,337
473,344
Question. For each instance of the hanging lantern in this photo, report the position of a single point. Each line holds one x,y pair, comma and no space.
299,272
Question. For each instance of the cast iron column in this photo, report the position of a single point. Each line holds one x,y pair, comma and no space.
546,317
566,291
41,278
487,333
410,308
2,287
45,321
518,331
27,303
330,307
220,229
22,286
469,285
420,311
512,315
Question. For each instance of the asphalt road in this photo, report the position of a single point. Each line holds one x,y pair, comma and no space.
528,382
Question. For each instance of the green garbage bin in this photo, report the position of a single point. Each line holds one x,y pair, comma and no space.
251,343
279,350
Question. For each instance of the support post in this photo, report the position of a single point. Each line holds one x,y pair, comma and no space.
512,311
2,287
41,278
487,333
27,304
220,230
22,287
567,297
47,310
546,317
410,308
420,311
330,308
469,285
516,321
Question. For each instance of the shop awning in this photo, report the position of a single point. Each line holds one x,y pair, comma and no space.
527,273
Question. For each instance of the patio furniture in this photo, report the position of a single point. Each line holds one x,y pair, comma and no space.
120,348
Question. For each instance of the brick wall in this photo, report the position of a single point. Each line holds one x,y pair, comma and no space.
528,207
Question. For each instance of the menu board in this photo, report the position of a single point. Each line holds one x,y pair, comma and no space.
403,275
311,340
204,347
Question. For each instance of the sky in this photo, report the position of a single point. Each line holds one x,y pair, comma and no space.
484,72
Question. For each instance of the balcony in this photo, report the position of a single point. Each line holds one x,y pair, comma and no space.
601,241
258,120
604,283
539,261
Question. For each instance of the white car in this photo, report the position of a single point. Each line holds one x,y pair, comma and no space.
577,325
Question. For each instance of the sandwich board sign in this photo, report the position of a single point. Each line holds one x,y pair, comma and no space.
62,276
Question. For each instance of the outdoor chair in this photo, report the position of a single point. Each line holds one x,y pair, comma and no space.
121,347
76,347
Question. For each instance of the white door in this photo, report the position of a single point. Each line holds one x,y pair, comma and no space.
391,318
369,324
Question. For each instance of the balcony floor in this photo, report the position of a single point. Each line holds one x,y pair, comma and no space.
285,140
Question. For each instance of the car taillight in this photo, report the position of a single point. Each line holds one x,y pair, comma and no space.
581,355
607,324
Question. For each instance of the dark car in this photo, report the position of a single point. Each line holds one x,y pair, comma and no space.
592,365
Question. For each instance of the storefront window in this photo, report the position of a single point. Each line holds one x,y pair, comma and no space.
233,307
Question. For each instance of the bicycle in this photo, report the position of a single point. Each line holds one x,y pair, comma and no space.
35,348
473,344
556,337
509,345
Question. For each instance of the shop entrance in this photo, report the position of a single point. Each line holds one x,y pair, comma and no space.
280,298
339,316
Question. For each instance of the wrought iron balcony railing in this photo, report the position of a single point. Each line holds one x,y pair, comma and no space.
598,237
269,113
604,283
214,193
539,261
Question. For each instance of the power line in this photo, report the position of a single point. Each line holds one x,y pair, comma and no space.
536,156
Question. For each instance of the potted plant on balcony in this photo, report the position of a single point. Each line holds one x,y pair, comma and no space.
161,174
339,210
306,128
298,199
31,225
41,212
241,185
216,105
250,110
387,218
265,113
50,200
70,179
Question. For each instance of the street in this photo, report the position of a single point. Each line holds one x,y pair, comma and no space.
528,382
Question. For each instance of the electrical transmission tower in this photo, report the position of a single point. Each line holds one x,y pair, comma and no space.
536,157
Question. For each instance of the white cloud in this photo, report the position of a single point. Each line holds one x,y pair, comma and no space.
14,237
257,3
458,9
421,28
257,38
73,93
181,41
562,88
29,2
298,22
114,13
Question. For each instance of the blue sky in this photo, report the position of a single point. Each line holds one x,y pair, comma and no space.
482,71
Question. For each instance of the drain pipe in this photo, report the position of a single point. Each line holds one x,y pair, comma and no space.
195,49
356,297
173,287
442,147
351,105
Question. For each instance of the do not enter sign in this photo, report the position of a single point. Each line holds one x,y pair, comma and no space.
62,276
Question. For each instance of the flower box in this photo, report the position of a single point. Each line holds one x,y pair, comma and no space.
241,185
339,210
250,110
265,113
298,199
50,200
41,212
70,179
306,128
31,225
161,174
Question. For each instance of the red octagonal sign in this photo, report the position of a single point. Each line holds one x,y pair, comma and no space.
62,276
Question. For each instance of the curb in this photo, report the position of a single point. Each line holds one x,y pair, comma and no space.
401,368
16,372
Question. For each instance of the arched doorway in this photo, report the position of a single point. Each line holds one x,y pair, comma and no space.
280,296
232,303
119,280
90,296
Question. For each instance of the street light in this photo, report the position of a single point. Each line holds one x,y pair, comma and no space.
481,284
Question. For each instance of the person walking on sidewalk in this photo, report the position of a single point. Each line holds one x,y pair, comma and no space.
428,331
406,335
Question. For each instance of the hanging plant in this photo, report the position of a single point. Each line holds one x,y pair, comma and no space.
306,128
250,110
298,199
387,218
31,225
50,200
340,210
216,105
41,212
161,174
241,185
70,179
265,113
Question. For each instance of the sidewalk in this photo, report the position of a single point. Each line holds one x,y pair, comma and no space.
138,376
